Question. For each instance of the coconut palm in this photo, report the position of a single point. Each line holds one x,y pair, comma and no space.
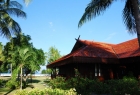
1,56
23,56
8,25
131,16
20,58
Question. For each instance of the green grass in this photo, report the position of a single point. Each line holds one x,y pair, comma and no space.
4,91
37,82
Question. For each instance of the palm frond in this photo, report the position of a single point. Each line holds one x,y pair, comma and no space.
128,17
4,30
15,4
8,25
16,12
15,27
93,9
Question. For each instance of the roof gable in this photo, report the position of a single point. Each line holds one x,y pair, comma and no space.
98,50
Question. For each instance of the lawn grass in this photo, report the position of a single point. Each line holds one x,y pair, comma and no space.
37,82
4,91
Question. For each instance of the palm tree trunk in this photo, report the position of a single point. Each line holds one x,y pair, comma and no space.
11,70
137,17
21,79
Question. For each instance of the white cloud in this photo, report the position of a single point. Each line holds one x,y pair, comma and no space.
51,24
110,36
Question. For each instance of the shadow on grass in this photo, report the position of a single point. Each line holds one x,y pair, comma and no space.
30,85
9,92
5,91
46,81
34,81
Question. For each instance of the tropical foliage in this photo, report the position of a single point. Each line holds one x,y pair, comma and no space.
130,13
53,54
43,71
1,53
22,56
86,86
8,25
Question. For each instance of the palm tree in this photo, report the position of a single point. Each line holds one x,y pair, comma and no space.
8,25
131,16
25,54
22,56
1,56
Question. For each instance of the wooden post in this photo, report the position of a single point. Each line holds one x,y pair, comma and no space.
21,79
99,70
96,73
111,74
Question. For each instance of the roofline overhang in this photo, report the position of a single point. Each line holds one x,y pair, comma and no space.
80,60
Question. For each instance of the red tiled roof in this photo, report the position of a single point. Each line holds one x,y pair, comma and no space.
127,49
92,49
96,49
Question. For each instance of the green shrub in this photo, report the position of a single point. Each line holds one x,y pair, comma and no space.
12,84
58,82
2,82
99,87
82,85
47,80
85,86
126,85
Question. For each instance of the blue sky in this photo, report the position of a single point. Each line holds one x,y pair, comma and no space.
55,23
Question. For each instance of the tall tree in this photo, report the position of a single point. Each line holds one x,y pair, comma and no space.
22,56
131,13
8,25
19,41
20,53
53,54
1,55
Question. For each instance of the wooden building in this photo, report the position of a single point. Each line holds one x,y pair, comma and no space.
98,59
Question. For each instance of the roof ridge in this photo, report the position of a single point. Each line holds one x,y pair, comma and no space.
88,42
80,50
127,41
